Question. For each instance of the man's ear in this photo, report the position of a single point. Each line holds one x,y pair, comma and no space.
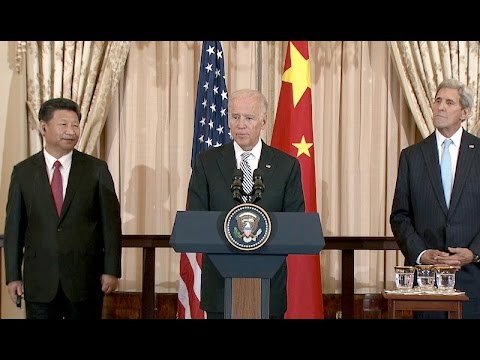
466,113
42,127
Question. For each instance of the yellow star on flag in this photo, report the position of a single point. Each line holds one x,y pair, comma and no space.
303,147
298,74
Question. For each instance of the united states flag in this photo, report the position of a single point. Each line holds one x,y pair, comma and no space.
210,129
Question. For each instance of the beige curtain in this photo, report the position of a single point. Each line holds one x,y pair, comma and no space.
360,118
423,65
84,71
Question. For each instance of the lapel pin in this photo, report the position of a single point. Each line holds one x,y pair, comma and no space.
268,166
471,146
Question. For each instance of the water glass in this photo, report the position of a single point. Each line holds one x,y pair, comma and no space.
425,277
404,278
445,276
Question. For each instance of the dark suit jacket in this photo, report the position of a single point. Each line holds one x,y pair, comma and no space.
420,218
76,248
209,189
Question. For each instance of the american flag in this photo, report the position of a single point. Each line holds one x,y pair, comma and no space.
210,129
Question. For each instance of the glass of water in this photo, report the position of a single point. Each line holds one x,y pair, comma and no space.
445,276
404,278
425,277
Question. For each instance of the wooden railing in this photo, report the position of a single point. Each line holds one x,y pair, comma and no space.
347,245
148,243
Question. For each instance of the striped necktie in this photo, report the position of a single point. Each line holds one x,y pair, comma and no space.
247,176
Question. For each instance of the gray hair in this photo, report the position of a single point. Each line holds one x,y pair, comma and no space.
251,93
465,93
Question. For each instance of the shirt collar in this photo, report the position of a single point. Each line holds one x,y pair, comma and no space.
65,160
256,151
456,138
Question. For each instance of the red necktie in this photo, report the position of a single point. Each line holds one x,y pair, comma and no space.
57,187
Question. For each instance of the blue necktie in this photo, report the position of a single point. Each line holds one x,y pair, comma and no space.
446,168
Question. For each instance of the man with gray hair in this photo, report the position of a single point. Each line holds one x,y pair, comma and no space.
209,189
435,214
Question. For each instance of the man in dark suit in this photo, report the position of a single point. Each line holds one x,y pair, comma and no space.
432,228
209,189
71,252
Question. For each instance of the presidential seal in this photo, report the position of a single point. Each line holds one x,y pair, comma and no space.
247,227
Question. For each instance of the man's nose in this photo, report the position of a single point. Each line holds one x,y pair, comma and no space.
242,122
70,129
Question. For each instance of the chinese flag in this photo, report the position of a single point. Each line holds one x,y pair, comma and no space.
293,133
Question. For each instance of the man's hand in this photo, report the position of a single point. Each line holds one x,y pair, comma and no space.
431,257
459,256
15,289
109,283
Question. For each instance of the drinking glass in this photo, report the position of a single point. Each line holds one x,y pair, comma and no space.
425,277
404,278
445,276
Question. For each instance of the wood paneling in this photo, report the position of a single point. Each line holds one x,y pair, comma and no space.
128,305
246,298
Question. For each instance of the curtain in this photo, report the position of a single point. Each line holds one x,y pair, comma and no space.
84,71
423,65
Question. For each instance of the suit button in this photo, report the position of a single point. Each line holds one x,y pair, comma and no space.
59,229
447,225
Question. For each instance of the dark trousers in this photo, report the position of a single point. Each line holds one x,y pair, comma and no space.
216,315
62,308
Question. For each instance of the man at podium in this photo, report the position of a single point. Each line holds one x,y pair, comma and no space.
210,190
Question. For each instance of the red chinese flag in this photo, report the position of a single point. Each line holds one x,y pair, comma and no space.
293,133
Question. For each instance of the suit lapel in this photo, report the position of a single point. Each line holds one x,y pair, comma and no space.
466,155
226,163
430,155
266,163
74,177
41,184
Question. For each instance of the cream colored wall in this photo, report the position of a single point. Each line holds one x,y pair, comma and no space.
13,146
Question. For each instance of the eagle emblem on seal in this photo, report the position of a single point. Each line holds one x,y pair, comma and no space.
247,223
247,227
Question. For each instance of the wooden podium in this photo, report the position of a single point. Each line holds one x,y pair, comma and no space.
247,274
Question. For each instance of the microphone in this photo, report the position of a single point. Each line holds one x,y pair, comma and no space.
236,187
258,187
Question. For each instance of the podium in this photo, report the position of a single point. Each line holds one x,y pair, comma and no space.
247,274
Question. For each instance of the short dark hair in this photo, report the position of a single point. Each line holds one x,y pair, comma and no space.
50,106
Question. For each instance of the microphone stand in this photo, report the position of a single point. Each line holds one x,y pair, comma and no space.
236,188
